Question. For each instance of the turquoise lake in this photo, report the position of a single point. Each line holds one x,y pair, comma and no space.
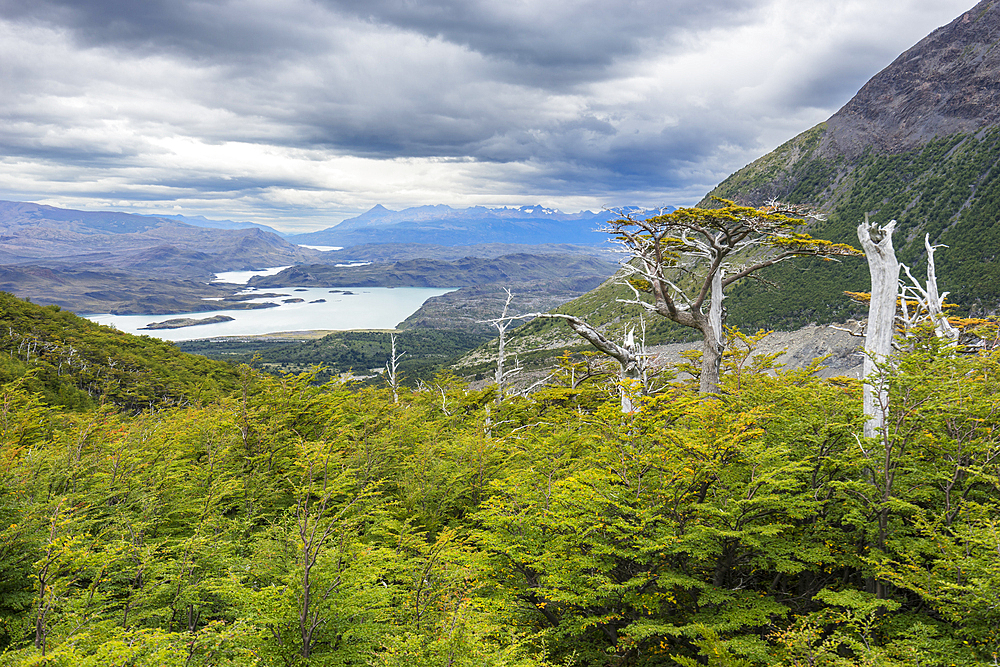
320,308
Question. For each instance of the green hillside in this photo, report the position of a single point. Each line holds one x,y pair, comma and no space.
74,362
919,143
948,188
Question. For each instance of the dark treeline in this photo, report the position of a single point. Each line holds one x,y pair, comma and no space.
422,352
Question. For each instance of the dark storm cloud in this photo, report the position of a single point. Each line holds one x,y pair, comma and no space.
654,163
272,105
558,34
568,39
198,29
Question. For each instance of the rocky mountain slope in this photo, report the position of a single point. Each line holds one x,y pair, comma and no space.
919,143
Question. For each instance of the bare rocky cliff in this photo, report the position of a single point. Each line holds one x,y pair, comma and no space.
948,82
947,85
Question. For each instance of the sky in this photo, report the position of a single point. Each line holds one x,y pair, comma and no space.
300,113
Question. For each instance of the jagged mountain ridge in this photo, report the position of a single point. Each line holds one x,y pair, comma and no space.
919,143
443,225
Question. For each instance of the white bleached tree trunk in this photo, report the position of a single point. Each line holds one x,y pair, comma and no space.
631,374
928,299
877,244
501,324
392,369
713,340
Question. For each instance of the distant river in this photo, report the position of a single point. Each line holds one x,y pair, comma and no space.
359,308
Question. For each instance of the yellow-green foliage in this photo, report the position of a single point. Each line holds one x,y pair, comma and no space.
295,524
76,363
948,188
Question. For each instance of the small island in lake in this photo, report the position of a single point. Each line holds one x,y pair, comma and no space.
182,322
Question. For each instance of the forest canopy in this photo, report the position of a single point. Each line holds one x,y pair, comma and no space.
285,522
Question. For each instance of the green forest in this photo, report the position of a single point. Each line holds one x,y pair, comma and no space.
170,510
359,352
948,187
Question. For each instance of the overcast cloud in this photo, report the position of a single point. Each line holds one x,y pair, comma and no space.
299,113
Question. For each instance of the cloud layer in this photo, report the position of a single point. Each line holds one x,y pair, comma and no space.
298,113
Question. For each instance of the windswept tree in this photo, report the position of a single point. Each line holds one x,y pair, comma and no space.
685,260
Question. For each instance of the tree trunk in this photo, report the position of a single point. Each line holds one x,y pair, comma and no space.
877,244
631,364
712,345
501,373
631,373
630,376
711,362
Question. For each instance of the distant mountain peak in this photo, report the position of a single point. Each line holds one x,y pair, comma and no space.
538,209
376,211
443,225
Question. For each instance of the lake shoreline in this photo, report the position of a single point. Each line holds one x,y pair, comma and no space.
307,309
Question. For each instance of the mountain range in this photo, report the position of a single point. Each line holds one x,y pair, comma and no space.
98,240
106,261
445,225
202,221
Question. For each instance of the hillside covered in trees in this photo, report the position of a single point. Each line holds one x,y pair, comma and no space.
918,144
72,362
161,509
275,521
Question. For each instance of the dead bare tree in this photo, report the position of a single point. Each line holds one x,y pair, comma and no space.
501,324
884,268
929,304
392,368
626,355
